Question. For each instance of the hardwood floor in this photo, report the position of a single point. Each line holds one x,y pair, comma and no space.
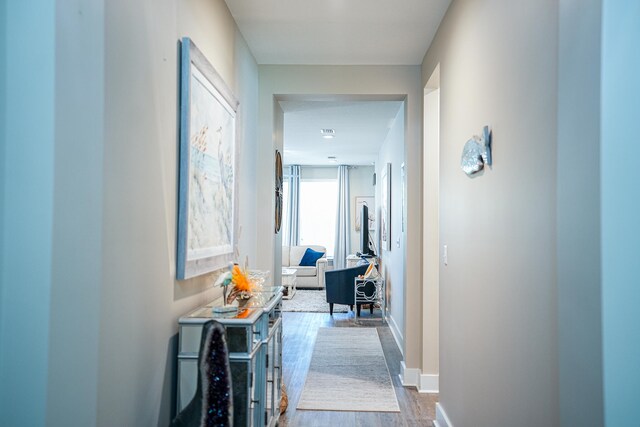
299,334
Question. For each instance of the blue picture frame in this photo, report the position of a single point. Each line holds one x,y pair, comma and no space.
207,203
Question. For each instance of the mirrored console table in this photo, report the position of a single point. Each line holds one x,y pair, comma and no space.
254,340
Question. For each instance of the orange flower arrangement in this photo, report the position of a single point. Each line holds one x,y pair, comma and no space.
242,286
240,280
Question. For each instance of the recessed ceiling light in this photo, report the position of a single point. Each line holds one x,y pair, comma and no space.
328,133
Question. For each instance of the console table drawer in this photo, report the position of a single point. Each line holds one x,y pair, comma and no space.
238,339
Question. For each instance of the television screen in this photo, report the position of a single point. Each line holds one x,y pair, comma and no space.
365,247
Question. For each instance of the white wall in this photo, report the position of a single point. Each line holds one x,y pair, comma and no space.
498,343
392,151
578,215
28,147
3,99
431,236
3,143
343,83
266,197
318,172
141,300
52,193
78,206
246,88
88,196
620,206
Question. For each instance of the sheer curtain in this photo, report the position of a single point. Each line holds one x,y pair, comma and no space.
293,218
343,241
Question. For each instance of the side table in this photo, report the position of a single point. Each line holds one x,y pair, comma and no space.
353,260
289,282
371,291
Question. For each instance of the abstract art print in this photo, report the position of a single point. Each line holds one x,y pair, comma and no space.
207,199
385,209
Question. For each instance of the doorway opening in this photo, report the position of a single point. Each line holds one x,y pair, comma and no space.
429,379
367,133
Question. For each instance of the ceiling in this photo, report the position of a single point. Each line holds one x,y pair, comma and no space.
361,127
338,32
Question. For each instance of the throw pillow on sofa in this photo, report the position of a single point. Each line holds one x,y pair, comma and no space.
310,258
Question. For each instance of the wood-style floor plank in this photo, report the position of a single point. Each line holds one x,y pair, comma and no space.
299,336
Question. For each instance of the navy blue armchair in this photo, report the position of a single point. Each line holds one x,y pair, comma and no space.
340,286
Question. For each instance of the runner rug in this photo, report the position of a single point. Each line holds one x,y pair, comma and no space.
348,372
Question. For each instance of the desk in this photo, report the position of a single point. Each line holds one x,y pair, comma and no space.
371,291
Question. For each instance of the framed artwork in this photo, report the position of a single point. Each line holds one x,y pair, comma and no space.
403,174
207,184
385,209
370,201
279,192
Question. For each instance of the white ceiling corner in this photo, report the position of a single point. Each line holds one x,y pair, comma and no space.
338,32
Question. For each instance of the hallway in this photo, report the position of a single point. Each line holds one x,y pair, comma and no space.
537,255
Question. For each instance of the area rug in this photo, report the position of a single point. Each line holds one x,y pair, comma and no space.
348,372
311,302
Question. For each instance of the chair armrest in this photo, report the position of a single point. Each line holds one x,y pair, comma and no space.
340,284
321,265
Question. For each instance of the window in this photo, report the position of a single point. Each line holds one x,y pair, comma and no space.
318,206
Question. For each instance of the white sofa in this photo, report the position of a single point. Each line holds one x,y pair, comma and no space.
306,277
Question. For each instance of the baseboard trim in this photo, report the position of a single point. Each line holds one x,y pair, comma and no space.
409,377
442,420
395,331
429,383
412,377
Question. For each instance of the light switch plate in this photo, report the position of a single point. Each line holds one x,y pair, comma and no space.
445,255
